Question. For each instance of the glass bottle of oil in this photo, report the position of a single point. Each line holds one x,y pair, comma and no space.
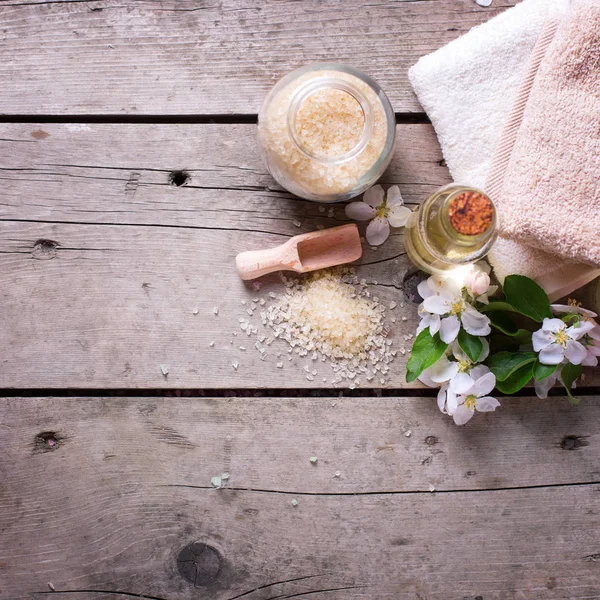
454,226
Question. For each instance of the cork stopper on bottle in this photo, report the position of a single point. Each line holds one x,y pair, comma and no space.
471,213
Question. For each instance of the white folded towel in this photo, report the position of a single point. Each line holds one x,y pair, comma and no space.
468,89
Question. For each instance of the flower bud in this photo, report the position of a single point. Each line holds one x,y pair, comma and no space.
478,282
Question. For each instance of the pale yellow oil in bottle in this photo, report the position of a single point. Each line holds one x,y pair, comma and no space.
431,238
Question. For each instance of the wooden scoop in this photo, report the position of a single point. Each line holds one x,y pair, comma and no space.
303,253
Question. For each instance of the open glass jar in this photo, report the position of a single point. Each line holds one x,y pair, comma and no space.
455,226
326,132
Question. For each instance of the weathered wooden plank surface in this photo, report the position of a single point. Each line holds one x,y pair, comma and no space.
126,485
189,57
136,256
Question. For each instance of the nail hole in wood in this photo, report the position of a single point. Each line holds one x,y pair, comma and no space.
199,563
410,283
44,249
431,440
179,178
47,441
572,442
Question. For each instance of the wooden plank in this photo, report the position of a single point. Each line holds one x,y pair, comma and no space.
99,496
188,58
135,254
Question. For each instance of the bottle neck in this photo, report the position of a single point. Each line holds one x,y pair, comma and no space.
468,217
330,121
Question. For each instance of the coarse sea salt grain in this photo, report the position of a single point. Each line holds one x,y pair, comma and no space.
328,314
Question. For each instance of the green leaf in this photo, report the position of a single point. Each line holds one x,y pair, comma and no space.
495,305
502,322
541,372
471,345
517,380
504,364
426,351
527,297
523,336
568,375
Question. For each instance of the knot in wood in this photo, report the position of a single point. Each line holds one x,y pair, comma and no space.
45,249
411,281
199,563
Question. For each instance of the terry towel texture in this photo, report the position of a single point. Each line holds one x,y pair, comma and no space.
550,191
468,89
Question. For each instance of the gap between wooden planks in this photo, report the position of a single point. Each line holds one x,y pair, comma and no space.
184,57
99,495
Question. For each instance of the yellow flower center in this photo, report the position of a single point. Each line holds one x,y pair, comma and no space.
382,211
561,338
456,308
573,303
470,402
464,364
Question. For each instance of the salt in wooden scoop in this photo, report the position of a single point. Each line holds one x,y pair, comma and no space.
303,253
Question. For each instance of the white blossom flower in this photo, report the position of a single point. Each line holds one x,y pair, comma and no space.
591,343
473,396
555,341
454,376
572,308
449,304
384,211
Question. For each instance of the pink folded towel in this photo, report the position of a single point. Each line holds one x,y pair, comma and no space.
546,174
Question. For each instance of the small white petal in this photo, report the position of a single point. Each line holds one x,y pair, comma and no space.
595,333
575,352
563,309
374,196
377,232
359,211
449,328
551,355
434,324
443,370
424,289
591,360
486,404
436,305
441,399
576,332
399,215
553,325
425,378
484,385
461,384
394,197
540,340
474,322
452,401
543,387
462,415
479,371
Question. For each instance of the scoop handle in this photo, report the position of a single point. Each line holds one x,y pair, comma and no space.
256,263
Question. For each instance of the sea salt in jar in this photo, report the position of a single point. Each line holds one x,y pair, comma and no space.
326,132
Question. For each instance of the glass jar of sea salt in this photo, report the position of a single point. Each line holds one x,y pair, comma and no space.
326,132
